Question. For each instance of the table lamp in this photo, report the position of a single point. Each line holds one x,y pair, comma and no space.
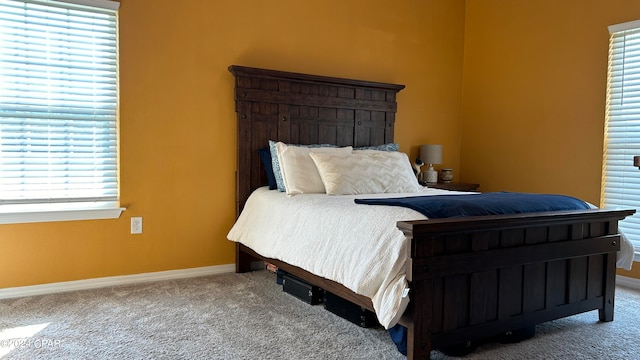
431,154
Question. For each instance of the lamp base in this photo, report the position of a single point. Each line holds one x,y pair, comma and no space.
430,175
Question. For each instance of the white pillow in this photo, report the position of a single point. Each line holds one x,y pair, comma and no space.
366,172
299,172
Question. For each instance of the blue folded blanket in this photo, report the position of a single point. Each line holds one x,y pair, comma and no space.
495,203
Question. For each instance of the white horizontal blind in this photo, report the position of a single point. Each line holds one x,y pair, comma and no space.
58,102
622,138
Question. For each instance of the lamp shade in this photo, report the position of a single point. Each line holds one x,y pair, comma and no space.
431,154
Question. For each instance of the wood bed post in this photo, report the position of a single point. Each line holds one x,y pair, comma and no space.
243,260
420,312
419,328
606,312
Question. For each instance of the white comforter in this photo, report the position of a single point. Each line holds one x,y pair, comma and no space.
358,246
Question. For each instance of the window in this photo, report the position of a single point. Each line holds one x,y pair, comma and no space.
621,183
58,110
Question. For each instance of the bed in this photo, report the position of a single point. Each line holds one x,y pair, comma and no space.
468,277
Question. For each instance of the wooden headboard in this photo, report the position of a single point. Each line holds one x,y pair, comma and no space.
305,109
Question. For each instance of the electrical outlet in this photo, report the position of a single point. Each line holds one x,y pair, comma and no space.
136,225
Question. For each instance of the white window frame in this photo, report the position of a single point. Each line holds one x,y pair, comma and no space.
621,179
11,213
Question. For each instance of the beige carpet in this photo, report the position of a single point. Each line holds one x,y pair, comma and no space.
247,316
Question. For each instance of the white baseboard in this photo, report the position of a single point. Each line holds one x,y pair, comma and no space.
628,282
43,289
22,291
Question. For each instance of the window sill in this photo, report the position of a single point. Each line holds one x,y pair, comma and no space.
17,214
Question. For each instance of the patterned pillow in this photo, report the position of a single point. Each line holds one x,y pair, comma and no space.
383,147
366,172
298,170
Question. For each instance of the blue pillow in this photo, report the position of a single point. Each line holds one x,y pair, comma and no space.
265,157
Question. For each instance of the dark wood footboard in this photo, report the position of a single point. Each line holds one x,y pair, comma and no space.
479,276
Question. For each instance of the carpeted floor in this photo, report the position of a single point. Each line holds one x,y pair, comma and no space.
247,316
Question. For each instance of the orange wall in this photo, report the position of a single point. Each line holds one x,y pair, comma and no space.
177,120
534,94
528,117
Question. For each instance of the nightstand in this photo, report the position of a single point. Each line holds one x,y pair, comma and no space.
454,186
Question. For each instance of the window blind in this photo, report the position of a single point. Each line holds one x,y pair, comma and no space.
621,182
58,102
